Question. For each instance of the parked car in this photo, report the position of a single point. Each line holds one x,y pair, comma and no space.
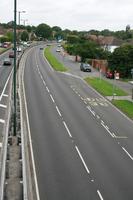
11,54
109,75
85,67
7,61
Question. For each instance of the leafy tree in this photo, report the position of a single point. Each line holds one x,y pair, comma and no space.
9,35
29,29
24,36
121,60
43,31
72,39
3,39
56,29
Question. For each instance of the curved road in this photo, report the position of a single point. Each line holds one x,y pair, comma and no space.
83,147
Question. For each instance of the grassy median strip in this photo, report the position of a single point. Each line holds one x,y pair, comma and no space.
104,87
58,66
125,106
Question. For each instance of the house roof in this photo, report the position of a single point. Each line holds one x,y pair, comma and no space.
106,40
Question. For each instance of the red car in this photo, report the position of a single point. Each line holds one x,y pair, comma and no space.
11,55
110,75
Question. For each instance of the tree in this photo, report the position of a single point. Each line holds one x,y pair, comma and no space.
24,36
72,39
43,31
121,60
9,35
4,39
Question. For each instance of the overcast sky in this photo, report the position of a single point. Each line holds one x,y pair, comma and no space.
72,14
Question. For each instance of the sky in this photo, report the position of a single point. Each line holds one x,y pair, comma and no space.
81,15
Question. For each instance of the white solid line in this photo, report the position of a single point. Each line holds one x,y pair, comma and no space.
93,113
127,153
52,98
58,111
99,194
89,108
3,106
2,121
44,82
5,95
82,160
6,84
102,122
41,77
67,129
47,89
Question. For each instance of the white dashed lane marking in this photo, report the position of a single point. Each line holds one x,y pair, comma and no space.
58,111
85,166
3,106
2,121
99,194
67,129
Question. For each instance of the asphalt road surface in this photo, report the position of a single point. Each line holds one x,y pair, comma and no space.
5,73
83,146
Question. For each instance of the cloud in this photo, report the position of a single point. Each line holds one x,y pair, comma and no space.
73,14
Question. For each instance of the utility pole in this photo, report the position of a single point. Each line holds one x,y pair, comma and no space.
14,74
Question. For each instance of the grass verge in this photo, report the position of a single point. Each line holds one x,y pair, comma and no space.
104,87
58,66
125,106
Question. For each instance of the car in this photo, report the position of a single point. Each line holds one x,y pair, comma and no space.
109,75
41,48
11,54
19,49
7,61
57,50
85,67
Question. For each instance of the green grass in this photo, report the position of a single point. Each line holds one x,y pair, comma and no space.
105,88
2,50
58,66
125,106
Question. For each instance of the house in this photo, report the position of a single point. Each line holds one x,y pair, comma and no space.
108,43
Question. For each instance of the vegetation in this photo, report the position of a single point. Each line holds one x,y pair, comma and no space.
125,106
103,87
53,61
77,43
121,60
43,31
24,36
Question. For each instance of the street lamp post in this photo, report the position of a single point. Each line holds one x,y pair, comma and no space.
19,12
14,74
24,21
